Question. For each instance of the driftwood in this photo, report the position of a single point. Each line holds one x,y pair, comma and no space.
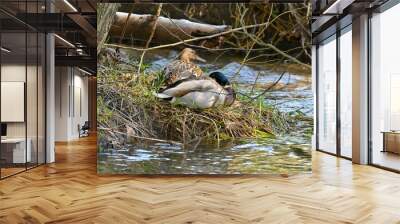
105,16
167,30
268,45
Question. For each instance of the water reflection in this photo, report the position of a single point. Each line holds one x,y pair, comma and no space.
246,156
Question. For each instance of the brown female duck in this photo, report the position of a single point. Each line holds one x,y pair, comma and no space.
183,68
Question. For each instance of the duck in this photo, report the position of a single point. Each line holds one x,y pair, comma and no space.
209,91
183,68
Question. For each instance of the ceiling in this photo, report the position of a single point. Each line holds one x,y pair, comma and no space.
332,15
73,22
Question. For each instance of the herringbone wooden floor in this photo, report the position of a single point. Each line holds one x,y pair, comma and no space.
70,191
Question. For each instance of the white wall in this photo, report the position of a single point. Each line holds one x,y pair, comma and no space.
33,126
11,73
71,94
61,103
80,97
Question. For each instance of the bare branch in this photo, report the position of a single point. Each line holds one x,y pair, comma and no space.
151,35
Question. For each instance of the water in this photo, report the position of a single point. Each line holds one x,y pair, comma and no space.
247,156
295,94
288,154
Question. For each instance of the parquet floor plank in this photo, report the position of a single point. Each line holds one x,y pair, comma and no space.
70,191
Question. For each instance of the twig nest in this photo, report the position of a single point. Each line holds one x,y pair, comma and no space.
130,131
236,104
231,125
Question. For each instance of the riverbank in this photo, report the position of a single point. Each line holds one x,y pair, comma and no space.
126,104
269,135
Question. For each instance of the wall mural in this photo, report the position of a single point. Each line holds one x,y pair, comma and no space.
204,88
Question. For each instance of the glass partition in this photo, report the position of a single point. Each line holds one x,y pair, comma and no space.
22,77
327,95
346,93
13,94
385,89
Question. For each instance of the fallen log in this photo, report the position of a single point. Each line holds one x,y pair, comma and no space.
139,27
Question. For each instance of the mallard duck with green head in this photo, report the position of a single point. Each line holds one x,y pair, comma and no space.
207,92
183,68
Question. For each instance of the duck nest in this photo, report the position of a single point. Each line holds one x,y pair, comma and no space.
127,107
